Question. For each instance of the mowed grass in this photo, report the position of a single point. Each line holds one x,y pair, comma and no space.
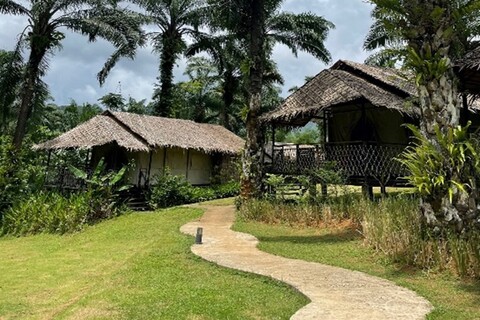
137,266
343,247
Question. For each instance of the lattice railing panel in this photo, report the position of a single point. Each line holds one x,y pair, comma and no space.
356,159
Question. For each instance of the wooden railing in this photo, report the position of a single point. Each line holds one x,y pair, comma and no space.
357,161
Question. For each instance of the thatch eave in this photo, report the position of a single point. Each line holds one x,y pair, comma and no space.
332,88
146,133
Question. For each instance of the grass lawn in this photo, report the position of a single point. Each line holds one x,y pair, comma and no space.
343,247
137,266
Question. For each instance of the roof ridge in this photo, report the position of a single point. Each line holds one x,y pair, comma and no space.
137,135
376,80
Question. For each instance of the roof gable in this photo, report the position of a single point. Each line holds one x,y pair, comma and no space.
143,133
333,87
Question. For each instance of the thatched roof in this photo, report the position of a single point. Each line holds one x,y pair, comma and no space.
348,82
143,133
387,78
468,71
97,131
345,83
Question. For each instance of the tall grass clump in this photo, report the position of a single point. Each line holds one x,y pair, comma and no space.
302,213
47,212
393,226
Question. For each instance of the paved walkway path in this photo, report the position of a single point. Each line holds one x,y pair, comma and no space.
335,293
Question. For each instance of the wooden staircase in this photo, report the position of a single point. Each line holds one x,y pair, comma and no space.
135,199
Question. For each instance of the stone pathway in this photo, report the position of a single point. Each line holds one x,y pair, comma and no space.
335,293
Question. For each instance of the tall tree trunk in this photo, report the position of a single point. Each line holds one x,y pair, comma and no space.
439,102
228,98
27,95
252,166
163,105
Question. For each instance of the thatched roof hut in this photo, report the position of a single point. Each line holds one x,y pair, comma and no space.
144,133
349,82
345,83
468,71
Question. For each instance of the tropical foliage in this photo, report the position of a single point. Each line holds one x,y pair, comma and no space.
42,35
260,25
446,176
432,35
169,190
175,20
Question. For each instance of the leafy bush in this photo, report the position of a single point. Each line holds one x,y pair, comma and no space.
170,190
445,173
57,213
104,187
48,212
21,173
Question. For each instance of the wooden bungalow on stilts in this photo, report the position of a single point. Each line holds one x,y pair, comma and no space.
362,110
193,150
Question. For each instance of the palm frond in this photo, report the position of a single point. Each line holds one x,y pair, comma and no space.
301,32
12,7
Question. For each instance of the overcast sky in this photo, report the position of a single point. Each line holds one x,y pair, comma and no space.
72,73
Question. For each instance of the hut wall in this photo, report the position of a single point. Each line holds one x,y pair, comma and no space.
193,165
349,123
199,168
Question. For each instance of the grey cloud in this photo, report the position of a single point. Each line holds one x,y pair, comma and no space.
73,69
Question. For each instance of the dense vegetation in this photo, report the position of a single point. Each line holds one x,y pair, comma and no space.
391,226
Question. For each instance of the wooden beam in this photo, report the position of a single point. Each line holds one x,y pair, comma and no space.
164,159
188,162
149,168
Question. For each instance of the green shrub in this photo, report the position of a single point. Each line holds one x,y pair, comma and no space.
104,188
170,190
21,173
47,212
55,213
445,173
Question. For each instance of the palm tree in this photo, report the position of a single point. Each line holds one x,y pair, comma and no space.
229,57
94,18
176,20
388,35
260,25
428,36
434,33
11,67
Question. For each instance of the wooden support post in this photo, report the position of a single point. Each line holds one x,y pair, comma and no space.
383,190
324,190
325,127
464,111
87,160
312,189
273,142
49,157
147,183
164,159
298,158
367,191
188,162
